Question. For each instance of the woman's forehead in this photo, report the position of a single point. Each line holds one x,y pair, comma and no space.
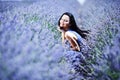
65,17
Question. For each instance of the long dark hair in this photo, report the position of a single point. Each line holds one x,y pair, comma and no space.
73,25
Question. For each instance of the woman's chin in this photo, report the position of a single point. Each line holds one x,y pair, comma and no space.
61,27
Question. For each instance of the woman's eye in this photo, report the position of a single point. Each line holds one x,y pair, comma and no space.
66,20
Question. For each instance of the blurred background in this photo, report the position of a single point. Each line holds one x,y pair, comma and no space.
30,44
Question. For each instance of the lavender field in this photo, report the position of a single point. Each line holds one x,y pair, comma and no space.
31,47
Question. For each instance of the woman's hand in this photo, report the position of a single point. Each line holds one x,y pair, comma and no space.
76,48
61,30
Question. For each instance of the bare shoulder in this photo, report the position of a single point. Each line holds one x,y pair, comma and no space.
70,34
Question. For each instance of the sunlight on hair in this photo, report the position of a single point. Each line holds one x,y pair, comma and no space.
81,1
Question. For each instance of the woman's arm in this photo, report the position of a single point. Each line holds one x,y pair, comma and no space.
62,34
63,37
72,40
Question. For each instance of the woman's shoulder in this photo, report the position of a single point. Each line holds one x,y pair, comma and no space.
75,34
70,34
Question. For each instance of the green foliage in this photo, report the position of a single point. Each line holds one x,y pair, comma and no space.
53,29
31,18
105,38
113,74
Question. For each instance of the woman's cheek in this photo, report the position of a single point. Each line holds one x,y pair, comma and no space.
61,24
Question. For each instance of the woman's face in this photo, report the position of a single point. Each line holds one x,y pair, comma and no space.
65,22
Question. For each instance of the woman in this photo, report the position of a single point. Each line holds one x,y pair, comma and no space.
70,31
